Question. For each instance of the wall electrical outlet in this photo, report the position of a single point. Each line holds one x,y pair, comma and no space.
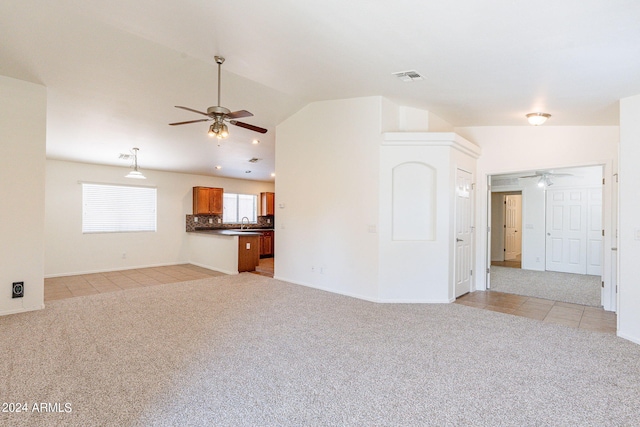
210,220
219,221
17,290
268,220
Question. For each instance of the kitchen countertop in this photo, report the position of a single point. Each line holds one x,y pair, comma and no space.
233,232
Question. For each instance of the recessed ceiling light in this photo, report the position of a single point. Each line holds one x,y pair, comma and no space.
218,167
255,141
273,174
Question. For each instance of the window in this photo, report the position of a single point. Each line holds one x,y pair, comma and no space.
118,208
238,206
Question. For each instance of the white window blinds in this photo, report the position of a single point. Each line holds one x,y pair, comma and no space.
118,208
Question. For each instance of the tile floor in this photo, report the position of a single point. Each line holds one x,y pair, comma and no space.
561,313
88,284
265,268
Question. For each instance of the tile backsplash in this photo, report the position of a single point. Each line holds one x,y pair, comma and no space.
204,224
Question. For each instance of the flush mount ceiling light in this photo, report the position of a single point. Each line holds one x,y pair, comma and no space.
135,173
255,142
536,119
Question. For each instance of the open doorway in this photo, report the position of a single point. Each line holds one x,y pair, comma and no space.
506,221
548,224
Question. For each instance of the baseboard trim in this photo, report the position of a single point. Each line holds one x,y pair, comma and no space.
415,301
133,267
366,298
208,267
321,288
635,340
21,310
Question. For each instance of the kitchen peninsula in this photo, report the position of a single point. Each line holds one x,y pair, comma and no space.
227,251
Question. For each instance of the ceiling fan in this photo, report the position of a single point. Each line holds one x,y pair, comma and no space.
544,177
220,115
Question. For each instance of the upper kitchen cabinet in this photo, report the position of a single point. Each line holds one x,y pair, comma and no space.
267,204
207,201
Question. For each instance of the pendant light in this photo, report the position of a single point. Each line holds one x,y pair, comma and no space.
135,173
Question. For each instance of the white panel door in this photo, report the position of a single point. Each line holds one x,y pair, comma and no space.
594,231
566,219
463,234
512,225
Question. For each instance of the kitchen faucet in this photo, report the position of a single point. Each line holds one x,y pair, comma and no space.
242,222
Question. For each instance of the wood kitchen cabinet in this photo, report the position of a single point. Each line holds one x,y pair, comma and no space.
267,204
248,253
207,200
266,244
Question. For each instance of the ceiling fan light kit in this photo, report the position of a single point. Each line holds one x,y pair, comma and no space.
544,181
220,115
536,119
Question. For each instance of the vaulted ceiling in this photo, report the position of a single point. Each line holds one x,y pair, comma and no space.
115,70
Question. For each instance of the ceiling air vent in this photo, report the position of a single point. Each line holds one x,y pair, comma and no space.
126,156
408,76
253,160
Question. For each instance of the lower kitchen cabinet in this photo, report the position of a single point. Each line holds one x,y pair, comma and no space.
248,253
266,244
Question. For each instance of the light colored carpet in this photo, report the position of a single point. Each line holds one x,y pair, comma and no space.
249,350
565,287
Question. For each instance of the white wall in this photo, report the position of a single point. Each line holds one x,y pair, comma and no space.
629,237
327,167
68,251
518,148
22,162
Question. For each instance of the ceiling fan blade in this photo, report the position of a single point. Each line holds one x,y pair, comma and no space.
187,122
530,176
192,110
248,126
561,174
239,114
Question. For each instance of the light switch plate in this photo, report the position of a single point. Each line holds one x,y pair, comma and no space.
248,245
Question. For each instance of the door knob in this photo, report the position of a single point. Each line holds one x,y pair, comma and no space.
459,240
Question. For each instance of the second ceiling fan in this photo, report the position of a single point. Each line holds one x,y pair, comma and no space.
221,115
